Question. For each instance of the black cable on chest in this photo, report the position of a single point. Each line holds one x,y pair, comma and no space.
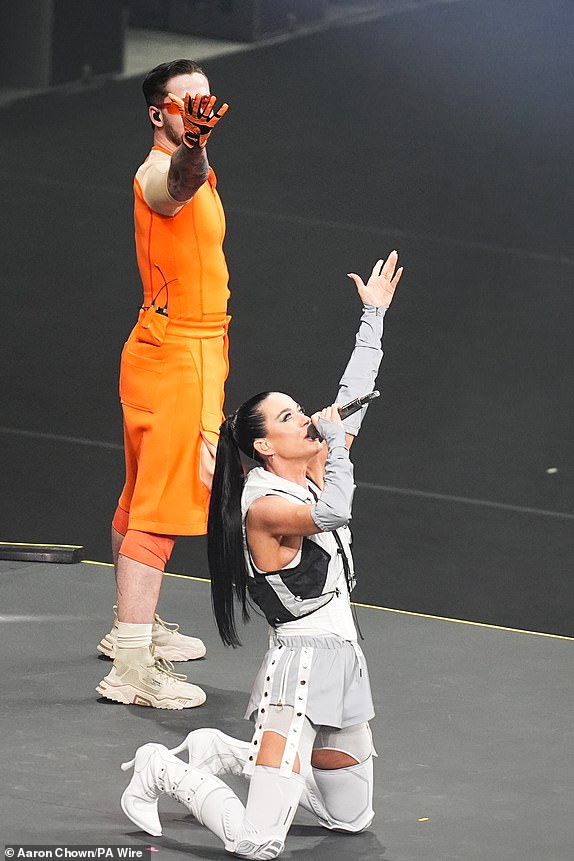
349,578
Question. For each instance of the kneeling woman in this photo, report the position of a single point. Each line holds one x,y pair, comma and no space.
280,536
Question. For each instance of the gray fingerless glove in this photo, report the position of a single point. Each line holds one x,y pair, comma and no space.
361,372
333,508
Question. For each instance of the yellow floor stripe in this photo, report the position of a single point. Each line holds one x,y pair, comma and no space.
46,544
167,573
394,610
464,622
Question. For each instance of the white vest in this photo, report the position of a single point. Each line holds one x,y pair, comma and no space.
296,591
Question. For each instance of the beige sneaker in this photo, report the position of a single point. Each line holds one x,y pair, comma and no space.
168,642
140,679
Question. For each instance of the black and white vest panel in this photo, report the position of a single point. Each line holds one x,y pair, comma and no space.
325,567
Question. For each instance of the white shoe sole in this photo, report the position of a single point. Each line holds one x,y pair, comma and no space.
129,695
106,649
260,851
109,650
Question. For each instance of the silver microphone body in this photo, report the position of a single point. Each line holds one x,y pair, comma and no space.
345,411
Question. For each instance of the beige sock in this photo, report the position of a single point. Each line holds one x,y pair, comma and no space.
133,636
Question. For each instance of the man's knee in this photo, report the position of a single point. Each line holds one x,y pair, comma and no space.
147,548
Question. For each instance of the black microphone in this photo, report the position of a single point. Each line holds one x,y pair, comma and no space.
345,411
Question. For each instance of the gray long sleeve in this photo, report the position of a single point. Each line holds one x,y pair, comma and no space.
361,372
333,508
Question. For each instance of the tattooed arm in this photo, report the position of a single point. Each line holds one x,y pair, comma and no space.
188,171
167,183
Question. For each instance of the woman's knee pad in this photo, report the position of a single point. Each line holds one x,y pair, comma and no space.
347,796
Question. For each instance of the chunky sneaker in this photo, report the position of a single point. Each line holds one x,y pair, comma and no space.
168,642
140,679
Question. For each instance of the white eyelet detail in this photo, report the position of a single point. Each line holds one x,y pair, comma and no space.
249,767
296,726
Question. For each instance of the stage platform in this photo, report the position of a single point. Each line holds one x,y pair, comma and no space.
474,729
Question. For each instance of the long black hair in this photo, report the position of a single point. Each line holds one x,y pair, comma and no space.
225,550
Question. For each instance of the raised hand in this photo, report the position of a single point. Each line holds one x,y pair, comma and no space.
199,117
382,283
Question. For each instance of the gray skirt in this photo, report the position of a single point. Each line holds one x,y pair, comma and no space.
324,677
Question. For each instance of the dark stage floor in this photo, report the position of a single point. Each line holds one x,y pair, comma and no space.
473,729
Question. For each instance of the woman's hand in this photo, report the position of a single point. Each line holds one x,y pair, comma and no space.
380,287
329,424
328,414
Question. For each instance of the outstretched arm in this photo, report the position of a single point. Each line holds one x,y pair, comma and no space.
188,171
168,184
189,167
361,372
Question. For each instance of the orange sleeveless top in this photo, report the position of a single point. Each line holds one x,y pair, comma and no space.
187,248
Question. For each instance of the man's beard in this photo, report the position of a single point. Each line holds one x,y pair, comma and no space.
173,136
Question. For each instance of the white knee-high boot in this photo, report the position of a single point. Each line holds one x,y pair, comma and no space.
157,771
214,752
271,805
256,832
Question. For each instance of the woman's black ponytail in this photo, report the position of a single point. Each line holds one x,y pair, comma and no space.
225,551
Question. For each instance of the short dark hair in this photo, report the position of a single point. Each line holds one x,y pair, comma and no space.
154,83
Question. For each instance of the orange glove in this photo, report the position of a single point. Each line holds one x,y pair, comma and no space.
199,117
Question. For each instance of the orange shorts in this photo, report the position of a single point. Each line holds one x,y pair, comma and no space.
172,401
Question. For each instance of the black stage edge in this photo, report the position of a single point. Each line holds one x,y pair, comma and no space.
60,553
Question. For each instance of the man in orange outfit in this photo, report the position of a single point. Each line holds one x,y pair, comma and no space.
174,365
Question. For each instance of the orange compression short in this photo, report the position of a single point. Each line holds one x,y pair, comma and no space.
152,550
